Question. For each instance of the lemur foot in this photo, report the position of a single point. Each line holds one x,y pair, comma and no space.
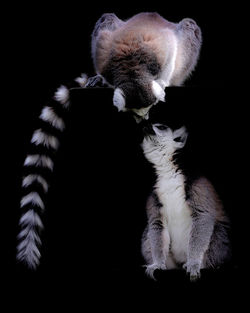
95,81
193,269
152,267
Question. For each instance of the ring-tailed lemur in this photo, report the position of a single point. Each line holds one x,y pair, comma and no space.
143,55
186,222
138,58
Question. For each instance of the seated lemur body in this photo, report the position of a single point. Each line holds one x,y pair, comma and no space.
187,225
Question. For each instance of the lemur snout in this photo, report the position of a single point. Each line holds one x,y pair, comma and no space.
147,128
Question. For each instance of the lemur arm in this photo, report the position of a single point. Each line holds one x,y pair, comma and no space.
202,230
155,236
201,201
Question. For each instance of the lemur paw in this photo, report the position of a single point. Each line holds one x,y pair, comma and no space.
193,269
95,81
152,267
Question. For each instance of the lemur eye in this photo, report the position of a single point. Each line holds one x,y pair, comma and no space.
178,139
162,127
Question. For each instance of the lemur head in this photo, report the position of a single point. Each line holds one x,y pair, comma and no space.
161,142
134,77
138,97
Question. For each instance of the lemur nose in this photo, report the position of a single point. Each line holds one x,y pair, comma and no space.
147,127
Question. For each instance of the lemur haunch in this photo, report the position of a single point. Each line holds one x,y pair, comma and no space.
143,55
186,222
138,58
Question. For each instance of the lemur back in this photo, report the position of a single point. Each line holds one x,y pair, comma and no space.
187,225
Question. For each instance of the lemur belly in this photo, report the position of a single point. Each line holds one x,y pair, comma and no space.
176,215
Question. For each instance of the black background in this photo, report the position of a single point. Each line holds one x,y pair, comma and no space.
95,210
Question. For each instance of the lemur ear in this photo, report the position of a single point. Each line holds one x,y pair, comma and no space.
119,99
180,137
158,91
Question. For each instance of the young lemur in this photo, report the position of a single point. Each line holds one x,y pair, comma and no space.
186,222
138,58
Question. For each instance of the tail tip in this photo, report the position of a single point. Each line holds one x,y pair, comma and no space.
32,263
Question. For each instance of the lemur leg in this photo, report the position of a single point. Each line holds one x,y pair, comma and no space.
108,21
219,250
200,237
146,247
205,206
168,69
153,249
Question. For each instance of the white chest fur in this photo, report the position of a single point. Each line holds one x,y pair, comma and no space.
176,214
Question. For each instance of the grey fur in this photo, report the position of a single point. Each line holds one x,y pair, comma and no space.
29,240
154,252
32,203
209,219
131,54
207,243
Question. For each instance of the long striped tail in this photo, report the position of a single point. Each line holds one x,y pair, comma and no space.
38,167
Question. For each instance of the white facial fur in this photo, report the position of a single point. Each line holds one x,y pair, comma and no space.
160,146
119,100
158,91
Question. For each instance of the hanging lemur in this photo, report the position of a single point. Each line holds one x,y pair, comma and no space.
139,58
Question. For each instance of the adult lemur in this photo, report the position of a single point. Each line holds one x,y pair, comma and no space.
186,222
138,58
143,55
